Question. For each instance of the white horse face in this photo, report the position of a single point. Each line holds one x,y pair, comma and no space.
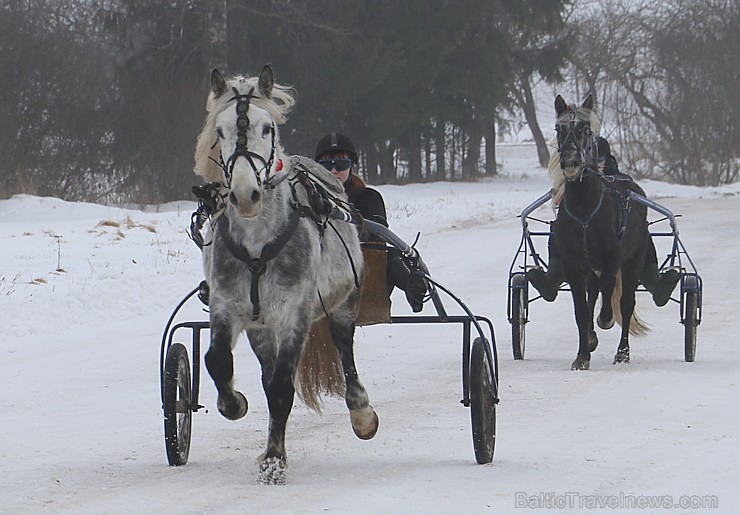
249,171
247,138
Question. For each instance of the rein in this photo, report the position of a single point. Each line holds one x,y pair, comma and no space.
322,203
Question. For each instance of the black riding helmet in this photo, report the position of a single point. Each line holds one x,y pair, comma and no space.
335,142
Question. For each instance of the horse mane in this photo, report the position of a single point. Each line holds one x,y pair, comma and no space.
207,149
557,177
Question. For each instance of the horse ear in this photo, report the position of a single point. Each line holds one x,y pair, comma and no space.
266,81
589,102
218,83
560,105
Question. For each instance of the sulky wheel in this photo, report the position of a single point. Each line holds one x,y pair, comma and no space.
691,320
518,318
176,403
482,403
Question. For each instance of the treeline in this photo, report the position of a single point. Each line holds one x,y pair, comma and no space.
666,73
102,100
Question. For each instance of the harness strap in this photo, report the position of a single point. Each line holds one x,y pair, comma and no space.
624,200
587,221
258,266
210,206
584,223
322,203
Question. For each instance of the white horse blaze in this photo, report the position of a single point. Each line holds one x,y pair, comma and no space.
246,194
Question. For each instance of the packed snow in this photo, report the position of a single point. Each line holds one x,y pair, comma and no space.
85,292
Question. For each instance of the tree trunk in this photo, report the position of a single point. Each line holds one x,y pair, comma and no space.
439,150
387,169
414,174
526,101
491,167
371,166
472,156
427,152
217,34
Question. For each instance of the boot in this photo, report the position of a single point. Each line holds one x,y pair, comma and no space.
547,283
415,291
204,292
660,285
402,273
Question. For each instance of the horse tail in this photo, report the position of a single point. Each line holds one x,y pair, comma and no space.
637,326
320,367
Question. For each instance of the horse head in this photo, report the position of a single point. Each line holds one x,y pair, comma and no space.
244,114
576,128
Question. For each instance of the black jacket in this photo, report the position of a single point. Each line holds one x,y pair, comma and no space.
367,201
612,168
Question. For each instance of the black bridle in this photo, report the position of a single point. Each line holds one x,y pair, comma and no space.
588,152
242,124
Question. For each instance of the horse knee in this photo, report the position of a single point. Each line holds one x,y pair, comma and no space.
220,364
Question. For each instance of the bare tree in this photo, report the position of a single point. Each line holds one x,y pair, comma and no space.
667,73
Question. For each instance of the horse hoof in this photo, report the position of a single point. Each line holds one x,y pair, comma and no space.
272,470
593,341
606,325
622,357
234,408
581,363
367,430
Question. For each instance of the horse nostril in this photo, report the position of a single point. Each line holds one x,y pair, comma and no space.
233,199
256,196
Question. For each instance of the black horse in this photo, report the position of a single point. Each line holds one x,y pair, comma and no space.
600,235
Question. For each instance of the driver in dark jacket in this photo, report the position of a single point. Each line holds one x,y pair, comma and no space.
336,152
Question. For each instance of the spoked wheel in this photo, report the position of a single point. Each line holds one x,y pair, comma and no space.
177,412
691,320
518,319
482,404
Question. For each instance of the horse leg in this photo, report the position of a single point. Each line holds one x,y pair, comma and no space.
279,364
627,307
606,318
584,321
362,415
592,293
219,359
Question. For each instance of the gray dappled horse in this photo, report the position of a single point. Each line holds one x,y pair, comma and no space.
272,266
600,235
